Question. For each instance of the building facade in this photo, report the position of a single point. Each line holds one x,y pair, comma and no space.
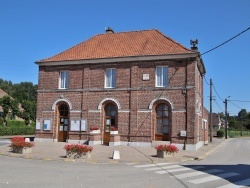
141,84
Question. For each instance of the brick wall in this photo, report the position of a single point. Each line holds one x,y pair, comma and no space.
136,121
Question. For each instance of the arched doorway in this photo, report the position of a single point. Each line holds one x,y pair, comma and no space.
162,125
110,121
63,123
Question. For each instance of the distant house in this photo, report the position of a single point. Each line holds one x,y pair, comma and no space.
141,83
217,123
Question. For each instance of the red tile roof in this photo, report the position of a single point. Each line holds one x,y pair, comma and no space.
123,44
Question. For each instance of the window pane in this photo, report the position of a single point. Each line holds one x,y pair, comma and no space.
164,76
161,76
165,121
110,78
158,73
159,121
113,84
159,113
165,129
64,79
165,114
159,129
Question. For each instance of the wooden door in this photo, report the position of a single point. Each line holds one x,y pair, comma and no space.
110,121
63,123
107,131
162,123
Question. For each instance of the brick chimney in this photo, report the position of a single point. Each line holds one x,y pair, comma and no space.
109,30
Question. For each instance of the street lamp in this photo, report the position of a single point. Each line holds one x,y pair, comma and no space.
226,116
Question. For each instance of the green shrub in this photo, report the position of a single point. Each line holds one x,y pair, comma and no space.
220,133
15,123
17,130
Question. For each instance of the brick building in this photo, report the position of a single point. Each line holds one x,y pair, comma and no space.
141,84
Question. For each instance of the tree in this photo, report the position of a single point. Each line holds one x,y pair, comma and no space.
232,122
242,114
10,107
28,113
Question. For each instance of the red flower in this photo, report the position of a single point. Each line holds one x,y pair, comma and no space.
78,148
94,128
170,149
20,142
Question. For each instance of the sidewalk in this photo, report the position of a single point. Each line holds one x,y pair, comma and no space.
104,154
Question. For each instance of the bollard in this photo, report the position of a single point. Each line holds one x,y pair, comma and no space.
27,139
116,154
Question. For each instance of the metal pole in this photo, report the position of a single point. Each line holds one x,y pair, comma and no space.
226,118
211,112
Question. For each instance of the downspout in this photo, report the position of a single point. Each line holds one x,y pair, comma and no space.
186,117
130,95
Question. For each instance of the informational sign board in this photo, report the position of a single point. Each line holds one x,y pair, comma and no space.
83,125
46,124
38,125
75,125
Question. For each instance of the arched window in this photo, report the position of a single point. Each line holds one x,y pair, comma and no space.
162,119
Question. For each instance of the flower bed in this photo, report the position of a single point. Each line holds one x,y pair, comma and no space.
78,151
18,145
168,149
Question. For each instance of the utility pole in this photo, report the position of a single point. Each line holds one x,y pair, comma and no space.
211,113
225,118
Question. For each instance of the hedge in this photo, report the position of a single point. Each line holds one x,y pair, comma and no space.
220,133
16,128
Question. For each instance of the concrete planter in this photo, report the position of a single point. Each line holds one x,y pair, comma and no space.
95,131
113,132
164,154
21,150
75,155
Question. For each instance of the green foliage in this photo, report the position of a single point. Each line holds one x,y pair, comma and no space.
16,123
17,129
220,133
10,108
25,94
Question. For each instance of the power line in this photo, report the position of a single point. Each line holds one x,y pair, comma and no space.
239,101
234,104
206,80
226,41
218,105
217,93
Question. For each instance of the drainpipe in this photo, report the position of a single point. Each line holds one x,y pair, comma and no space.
186,117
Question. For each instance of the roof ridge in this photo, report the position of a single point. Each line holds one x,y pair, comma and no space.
174,41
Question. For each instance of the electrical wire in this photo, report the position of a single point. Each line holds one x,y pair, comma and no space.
206,80
239,101
226,41
218,105
234,104
217,93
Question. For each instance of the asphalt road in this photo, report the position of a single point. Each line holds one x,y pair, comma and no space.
4,141
228,166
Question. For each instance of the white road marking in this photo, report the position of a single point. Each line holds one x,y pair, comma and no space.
198,173
237,184
152,165
213,178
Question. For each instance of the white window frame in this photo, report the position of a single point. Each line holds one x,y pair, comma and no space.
110,83
64,79
160,83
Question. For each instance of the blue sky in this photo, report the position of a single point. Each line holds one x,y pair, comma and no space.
33,30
